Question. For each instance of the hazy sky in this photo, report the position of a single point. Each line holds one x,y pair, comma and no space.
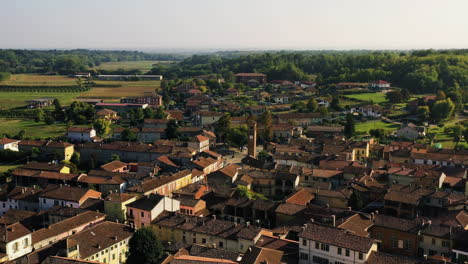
234,24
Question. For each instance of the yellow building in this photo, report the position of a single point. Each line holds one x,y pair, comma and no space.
106,242
115,206
207,231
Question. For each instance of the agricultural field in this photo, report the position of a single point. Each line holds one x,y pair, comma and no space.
364,127
10,100
143,66
377,98
32,129
34,79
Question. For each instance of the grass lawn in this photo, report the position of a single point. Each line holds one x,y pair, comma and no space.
143,66
363,128
445,140
32,129
377,98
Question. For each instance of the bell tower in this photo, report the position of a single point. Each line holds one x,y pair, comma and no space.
252,141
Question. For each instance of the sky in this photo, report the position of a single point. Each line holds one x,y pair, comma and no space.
234,24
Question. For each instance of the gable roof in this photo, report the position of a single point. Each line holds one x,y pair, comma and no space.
146,203
68,193
337,237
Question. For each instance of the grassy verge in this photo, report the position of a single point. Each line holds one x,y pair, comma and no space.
32,129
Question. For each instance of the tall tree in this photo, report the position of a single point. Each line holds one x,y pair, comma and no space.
172,129
144,247
312,105
223,126
266,120
443,109
103,127
349,127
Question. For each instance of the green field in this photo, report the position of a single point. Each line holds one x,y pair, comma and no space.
377,98
363,128
5,167
32,129
143,66
10,100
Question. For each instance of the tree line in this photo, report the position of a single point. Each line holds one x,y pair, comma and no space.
425,71
70,61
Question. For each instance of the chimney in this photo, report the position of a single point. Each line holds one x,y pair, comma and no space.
214,217
372,216
334,220
247,223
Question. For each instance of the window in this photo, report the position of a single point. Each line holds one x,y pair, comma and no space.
433,241
304,256
360,256
43,201
203,240
379,236
317,245
320,260
142,214
445,243
347,252
432,252
194,240
304,242
15,247
394,243
408,244
340,251
113,256
325,247
105,260
56,202
221,244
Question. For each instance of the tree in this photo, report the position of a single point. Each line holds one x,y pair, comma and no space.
144,247
4,76
172,129
76,158
349,127
443,109
378,133
423,111
441,95
58,111
102,126
356,200
312,105
238,136
263,156
323,111
223,126
335,103
394,97
160,114
115,157
148,112
266,121
49,120
128,135
39,115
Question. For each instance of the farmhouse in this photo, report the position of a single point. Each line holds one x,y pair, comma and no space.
379,85
251,78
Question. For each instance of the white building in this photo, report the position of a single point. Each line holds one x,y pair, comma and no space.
8,143
379,84
81,134
66,196
15,241
324,244
199,143
368,110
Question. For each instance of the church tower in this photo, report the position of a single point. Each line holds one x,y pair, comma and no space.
252,141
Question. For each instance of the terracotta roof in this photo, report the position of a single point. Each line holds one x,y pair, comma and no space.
12,232
404,225
43,166
250,74
337,237
80,129
230,170
67,225
325,173
406,194
44,174
64,260
100,236
358,224
100,180
4,141
155,121
68,193
301,197
201,138
167,161
258,255
113,165
186,259
119,197
384,258
336,129
154,183
290,209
